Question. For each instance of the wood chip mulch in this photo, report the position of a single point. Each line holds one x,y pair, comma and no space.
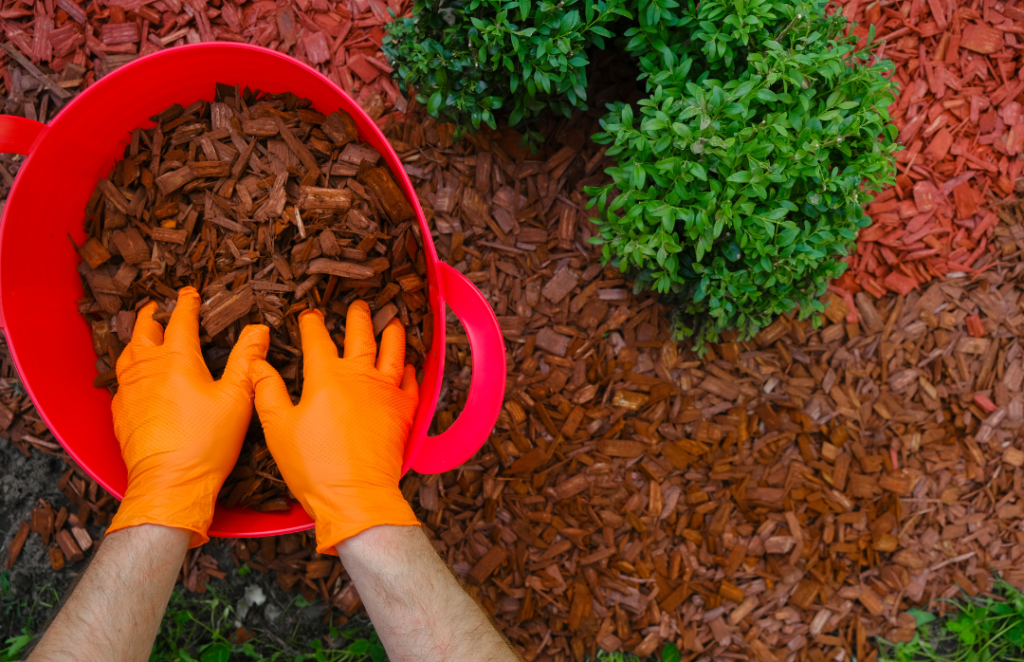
959,115
268,208
789,497
797,492
54,48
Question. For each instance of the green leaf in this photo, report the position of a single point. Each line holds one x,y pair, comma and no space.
742,176
670,653
16,644
922,617
217,652
434,104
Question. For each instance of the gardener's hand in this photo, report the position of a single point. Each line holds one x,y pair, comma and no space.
340,449
180,431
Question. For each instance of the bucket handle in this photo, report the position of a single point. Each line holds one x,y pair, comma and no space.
19,135
487,386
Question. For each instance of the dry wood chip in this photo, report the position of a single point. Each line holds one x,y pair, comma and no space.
488,563
559,286
68,546
17,542
357,153
380,181
219,312
552,342
340,268
173,180
312,197
340,128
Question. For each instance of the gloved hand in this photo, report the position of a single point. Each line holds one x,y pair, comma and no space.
340,449
180,432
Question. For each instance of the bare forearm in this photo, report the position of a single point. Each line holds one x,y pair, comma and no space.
417,607
114,613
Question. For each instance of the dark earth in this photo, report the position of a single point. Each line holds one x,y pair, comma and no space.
31,590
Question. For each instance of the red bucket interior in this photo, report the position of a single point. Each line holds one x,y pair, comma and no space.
39,287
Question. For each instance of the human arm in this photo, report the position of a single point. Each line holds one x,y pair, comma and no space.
417,607
340,451
115,610
180,433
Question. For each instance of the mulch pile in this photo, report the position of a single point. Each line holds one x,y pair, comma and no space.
959,115
794,493
791,494
268,208
62,46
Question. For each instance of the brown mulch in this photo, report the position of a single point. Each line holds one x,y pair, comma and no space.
959,115
64,46
795,492
792,495
268,208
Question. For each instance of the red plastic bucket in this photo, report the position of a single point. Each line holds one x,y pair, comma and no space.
39,287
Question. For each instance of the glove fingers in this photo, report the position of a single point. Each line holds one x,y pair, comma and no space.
183,329
252,346
409,384
317,346
359,343
271,393
147,332
391,361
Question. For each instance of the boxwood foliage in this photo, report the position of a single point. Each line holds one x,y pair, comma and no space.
467,59
741,178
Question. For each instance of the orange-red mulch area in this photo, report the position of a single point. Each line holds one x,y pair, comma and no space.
959,115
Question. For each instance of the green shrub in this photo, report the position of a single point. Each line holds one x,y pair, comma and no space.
741,179
468,59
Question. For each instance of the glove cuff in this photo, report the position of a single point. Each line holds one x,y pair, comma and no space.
182,506
353,511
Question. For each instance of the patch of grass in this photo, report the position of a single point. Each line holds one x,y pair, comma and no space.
605,656
207,629
980,630
669,653
20,618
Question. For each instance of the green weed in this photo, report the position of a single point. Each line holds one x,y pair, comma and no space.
202,629
19,618
980,630
605,656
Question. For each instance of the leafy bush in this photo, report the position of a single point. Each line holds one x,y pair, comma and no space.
740,179
469,58
983,628
739,184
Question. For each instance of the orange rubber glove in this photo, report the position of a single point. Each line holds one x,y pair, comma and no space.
180,431
340,449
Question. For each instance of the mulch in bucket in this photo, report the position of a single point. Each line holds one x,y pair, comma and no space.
268,208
